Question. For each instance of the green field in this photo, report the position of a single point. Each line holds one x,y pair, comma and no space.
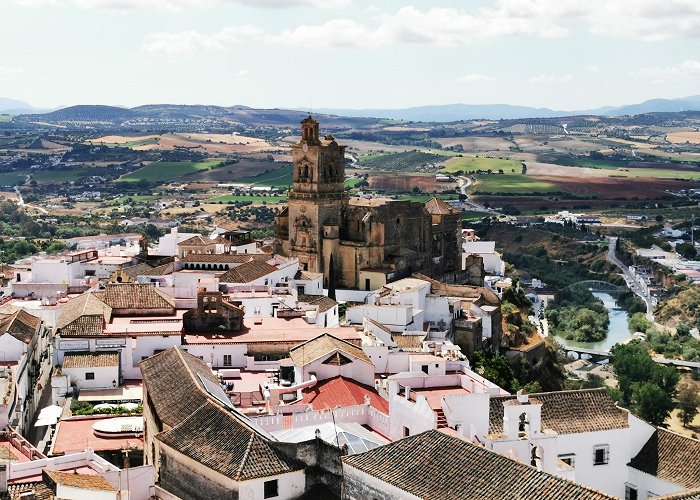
58,175
280,177
512,184
230,198
168,170
11,178
469,164
409,161
5,118
422,198
351,183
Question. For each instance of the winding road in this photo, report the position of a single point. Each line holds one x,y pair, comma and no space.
629,278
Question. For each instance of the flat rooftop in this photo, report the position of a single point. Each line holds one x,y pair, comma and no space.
130,390
74,434
273,330
146,325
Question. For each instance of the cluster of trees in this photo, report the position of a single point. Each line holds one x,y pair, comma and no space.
681,345
646,387
543,374
576,314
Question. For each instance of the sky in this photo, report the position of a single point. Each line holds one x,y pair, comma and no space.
561,54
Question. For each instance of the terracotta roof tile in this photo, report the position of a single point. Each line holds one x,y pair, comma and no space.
196,241
83,315
21,325
341,391
40,490
670,457
144,269
324,303
693,494
439,207
225,258
409,341
171,381
90,359
324,345
82,481
247,272
568,412
135,296
435,466
221,440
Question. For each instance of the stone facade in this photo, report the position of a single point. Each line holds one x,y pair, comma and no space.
354,241
213,314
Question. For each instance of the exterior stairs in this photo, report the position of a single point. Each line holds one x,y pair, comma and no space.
441,419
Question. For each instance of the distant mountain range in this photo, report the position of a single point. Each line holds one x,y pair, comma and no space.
455,112
432,113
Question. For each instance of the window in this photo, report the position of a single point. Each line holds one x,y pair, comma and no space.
227,360
631,492
406,432
271,489
89,376
424,368
601,454
569,459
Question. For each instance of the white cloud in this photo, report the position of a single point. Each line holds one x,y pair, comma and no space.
474,77
189,42
686,71
243,75
549,79
448,27
592,68
8,71
178,5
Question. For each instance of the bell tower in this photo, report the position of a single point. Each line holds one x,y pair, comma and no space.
317,198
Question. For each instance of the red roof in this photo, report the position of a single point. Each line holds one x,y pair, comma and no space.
341,391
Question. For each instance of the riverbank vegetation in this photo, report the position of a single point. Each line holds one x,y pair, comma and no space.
682,345
576,314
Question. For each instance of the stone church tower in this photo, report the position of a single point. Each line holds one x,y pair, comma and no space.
311,221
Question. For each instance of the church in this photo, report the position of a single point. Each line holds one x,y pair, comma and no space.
356,242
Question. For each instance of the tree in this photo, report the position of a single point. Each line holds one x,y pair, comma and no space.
682,330
495,368
651,403
686,250
688,402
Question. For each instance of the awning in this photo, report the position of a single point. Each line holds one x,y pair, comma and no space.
49,415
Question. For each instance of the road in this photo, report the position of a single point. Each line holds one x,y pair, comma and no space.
631,281
464,184
21,203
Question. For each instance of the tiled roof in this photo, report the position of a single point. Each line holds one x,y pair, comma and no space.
324,303
144,269
409,341
82,481
135,296
670,457
220,440
83,315
6,455
40,490
90,359
684,495
568,412
224,258
247,272
306,275
21,325
435,466
439,207
324,345
196,241
341,391
171,381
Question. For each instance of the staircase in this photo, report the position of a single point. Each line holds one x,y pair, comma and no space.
441,419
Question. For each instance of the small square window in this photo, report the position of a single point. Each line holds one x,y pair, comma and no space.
631,492
601,454
227,360
89,376
271,489
569,459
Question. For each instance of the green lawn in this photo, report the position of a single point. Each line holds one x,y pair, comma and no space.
512,184
168,170
280,177
230,198
472,164
351,183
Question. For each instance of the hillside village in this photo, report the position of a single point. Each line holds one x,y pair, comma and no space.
227,366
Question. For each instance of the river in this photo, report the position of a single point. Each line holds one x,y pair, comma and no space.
617,330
